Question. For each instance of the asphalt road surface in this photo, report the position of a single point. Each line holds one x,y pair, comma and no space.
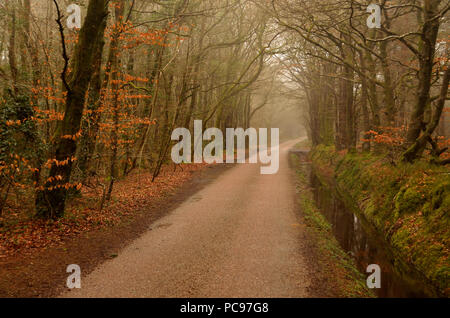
238,237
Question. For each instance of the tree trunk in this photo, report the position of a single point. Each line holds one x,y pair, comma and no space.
50,203
90,125
426,59
416,150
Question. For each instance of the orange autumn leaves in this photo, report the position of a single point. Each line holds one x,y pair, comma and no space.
66,186
13,122
118,110
394,138
72,137
390,136
16,169
57,163
442,144
54,183
19,169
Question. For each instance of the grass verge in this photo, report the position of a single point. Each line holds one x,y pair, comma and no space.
346,279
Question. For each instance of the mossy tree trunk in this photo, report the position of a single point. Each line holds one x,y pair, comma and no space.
426,54
90,125
50,203
417,149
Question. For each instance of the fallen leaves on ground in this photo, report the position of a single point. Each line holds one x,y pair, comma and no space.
22,234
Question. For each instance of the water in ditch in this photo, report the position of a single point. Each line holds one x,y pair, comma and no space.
359,239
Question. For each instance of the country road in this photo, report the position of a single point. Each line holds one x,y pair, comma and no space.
238,237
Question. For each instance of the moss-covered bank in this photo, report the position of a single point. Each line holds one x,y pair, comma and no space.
408,204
